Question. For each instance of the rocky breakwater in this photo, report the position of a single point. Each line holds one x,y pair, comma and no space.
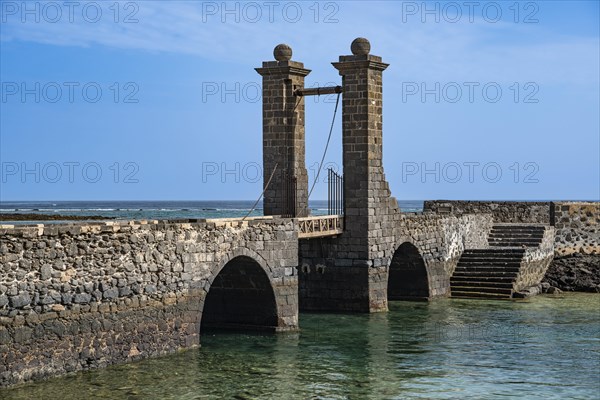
577,272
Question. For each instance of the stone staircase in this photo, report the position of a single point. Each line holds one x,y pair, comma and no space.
516,235
492,272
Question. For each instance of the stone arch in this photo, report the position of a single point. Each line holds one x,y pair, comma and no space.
240,294
408,275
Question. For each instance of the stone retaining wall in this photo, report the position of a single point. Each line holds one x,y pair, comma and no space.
80,296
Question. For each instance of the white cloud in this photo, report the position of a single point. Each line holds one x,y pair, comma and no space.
427,51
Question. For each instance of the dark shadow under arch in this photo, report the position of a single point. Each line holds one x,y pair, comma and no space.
407,279
240,297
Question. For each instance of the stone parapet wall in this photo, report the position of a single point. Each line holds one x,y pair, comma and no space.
79,296
577,227
502,211
577,223
535,262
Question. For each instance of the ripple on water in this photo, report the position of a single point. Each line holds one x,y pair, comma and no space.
547,347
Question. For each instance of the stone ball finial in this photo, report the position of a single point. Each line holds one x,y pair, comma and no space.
282,52
360,47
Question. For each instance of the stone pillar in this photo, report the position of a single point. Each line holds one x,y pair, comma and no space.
283,133
366,190
355,265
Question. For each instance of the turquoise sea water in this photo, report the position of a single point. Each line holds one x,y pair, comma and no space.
544,348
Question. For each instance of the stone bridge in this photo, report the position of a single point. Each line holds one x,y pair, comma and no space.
80,296
104,293
86,295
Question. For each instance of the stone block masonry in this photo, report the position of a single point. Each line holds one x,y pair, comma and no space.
81,296
283,135
503,211
576,223
535,261
351,271
576,265
576,238
577,226
331,281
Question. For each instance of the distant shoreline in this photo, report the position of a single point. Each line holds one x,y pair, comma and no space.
47,217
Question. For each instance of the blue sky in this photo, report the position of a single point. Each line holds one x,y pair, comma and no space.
499,101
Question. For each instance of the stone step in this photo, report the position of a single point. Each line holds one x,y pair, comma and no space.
480,295
518,226
466,280
514,239
509,238
492,256
481,283
509,262
513,233
490,269
490,260
487,269
490,275
494,251
514,244
520,234
480,278
517,234
484,289
486,274
506,229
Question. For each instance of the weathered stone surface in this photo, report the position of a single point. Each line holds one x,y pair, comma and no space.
21,300
330,280
82,298
575,272
350,272
502,211
110,294
577,227
283,136
577,224
63,309
46,272
535,262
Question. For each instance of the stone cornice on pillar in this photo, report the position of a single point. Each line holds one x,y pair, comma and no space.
362,61
293,68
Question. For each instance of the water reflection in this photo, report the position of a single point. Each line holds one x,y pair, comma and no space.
545,348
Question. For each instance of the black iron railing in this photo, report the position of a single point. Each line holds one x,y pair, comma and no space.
335,193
